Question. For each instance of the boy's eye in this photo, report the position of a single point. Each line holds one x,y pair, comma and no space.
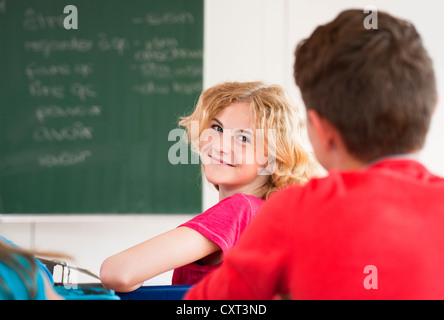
217,128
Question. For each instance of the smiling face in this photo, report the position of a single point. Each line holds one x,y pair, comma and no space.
228,151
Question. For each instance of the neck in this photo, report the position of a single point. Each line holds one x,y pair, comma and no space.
346,163
227,191
414,155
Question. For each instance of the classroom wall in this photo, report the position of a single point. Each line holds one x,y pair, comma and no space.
244,40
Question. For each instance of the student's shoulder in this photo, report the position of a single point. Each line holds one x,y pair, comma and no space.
243,198
238,202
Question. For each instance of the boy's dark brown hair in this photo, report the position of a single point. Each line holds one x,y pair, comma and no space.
376,86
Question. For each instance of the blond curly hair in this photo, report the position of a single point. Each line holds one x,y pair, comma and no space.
271,109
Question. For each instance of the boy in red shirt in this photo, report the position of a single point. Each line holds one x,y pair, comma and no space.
373,228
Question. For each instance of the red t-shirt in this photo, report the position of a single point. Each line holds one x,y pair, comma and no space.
223,224
376,233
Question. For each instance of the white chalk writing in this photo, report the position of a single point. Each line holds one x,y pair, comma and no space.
167,18
76,131
64,158
46,112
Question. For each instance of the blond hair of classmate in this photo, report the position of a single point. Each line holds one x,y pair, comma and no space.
273,112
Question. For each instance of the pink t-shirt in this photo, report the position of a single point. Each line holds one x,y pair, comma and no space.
223,224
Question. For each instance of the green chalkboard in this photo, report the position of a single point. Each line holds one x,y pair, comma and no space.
85,114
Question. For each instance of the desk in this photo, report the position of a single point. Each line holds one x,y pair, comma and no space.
156,293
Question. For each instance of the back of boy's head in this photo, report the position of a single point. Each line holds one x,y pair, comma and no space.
376,86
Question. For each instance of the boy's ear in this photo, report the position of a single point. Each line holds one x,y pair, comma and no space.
326,133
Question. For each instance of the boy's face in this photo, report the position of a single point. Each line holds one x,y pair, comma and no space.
228,149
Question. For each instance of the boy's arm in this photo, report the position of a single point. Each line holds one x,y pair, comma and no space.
127,270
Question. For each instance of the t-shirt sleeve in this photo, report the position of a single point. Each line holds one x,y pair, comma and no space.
224,222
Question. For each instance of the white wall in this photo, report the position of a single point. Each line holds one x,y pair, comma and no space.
304,16
89,239
245,40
